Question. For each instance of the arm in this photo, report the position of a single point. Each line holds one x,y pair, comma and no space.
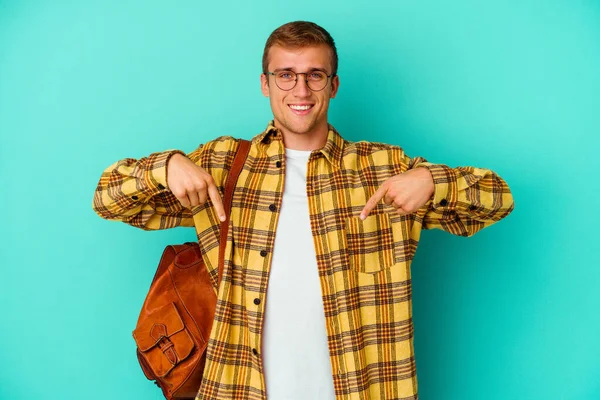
137,192
461,200
465,199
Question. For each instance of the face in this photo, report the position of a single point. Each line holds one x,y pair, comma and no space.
300,111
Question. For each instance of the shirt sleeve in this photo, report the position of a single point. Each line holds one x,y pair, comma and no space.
136,192
465,199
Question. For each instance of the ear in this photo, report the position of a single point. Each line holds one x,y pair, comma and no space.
335,84
264,85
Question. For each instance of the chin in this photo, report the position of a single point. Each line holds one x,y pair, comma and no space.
303,129
298,128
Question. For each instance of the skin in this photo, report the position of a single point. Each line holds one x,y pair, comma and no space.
192,184
301,130
406,192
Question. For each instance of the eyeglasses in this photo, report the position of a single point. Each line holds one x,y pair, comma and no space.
315,80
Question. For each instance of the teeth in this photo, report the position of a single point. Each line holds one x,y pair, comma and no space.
300,108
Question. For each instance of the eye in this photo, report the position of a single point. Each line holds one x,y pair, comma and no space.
285,75
316,76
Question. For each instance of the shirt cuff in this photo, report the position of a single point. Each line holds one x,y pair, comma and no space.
445,192
156,173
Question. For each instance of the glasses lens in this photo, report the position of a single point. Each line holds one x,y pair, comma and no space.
286,80
316,80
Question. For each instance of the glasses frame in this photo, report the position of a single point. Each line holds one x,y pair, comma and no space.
305,78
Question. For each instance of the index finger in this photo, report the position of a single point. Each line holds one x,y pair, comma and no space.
215,197
372,202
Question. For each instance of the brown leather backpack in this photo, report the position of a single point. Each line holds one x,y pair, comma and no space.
175,321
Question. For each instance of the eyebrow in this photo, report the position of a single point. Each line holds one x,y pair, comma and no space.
292,69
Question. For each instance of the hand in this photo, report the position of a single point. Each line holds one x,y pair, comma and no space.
407,192
192,185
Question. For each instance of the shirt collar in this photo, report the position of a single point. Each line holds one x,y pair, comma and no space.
332,150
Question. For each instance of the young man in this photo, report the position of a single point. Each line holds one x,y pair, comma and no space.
315,300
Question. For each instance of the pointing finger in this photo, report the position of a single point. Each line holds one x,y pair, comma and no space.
372,202
217,202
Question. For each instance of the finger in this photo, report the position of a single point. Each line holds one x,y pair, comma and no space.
398,203
217,202
184,200
372,202
402,211
389,200
195,199
202,196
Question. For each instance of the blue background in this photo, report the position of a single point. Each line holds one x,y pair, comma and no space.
511,313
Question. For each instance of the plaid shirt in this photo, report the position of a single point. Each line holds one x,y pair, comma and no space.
364,266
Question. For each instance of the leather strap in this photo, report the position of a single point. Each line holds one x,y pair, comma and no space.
234,173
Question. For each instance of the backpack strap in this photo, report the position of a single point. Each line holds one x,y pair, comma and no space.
234,173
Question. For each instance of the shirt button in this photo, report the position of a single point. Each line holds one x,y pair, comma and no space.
255,352
272,207
257,301
278,164
443,202
472,207
263,253
134,197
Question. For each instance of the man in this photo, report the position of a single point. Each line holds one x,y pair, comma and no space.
315,300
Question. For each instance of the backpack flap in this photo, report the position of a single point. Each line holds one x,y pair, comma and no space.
163,340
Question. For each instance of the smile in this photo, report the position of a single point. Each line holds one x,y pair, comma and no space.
300,109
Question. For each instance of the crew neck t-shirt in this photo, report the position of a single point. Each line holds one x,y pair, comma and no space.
295,353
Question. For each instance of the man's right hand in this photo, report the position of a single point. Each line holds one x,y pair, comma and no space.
192,185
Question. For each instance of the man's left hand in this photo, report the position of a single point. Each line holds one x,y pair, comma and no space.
407,192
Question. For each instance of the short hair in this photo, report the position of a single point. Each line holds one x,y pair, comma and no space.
300,34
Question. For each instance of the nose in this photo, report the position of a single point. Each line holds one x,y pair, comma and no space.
301,89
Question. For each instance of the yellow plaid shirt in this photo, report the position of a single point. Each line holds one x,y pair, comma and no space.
364,266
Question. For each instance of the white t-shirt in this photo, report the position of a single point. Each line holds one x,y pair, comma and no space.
295,352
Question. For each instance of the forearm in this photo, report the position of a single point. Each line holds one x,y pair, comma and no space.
466,199
136,192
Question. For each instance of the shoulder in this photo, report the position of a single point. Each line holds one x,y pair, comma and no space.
373,153
216,154
221,144
369,156
366,148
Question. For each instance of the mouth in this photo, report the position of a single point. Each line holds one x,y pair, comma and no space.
301,109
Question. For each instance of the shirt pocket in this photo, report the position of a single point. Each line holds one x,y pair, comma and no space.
370,243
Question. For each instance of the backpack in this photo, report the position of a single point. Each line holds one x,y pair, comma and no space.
174,324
